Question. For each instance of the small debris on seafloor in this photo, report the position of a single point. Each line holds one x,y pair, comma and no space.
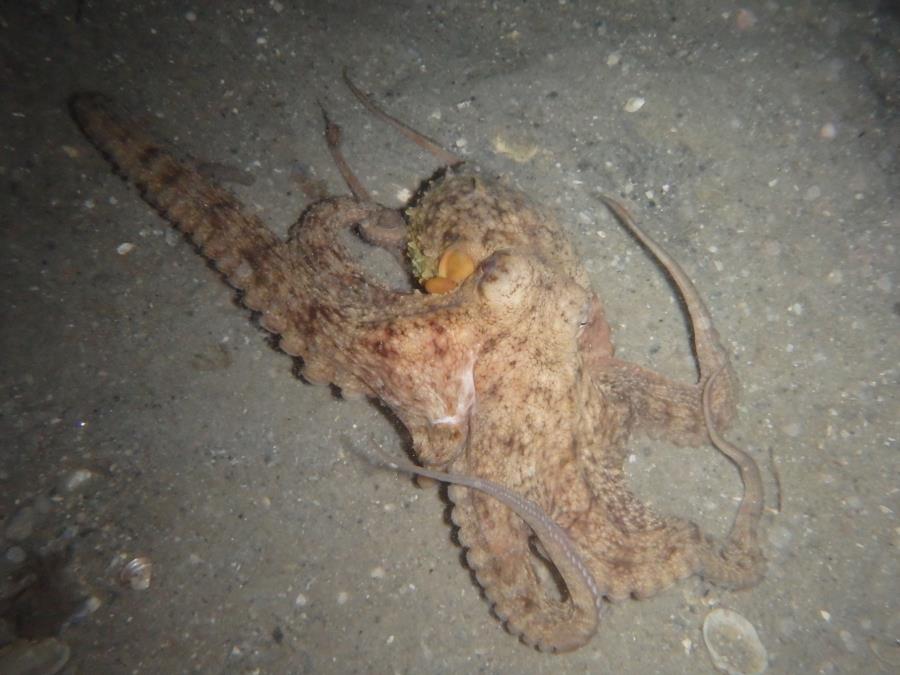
125,248
16,555
137,573
733,643
87,607
519,150
744,19
76,479
634,104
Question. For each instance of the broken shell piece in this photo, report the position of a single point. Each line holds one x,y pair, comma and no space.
733,644
455,265
520,151
76,479
634,104
137,573
439,285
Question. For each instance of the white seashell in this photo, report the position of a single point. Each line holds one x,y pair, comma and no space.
733,643
137,573
634,104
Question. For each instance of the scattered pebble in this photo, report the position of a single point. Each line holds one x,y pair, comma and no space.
21,524
76,479
16,555
377,572
744,19
342,597
634,104
125,248
191,16
301,600
71,152
733,643
614,59
827,132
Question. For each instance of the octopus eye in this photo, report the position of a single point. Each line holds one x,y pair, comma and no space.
506,279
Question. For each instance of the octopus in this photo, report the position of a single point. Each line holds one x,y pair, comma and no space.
500,365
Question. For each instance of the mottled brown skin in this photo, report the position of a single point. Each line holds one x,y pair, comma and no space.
510,378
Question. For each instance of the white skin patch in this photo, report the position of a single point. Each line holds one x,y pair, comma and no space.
466,397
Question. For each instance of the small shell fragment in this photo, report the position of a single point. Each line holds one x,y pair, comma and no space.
634,104
733,643
520,150
137,573
76,479
125,248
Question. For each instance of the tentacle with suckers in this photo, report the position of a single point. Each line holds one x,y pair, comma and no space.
549,625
